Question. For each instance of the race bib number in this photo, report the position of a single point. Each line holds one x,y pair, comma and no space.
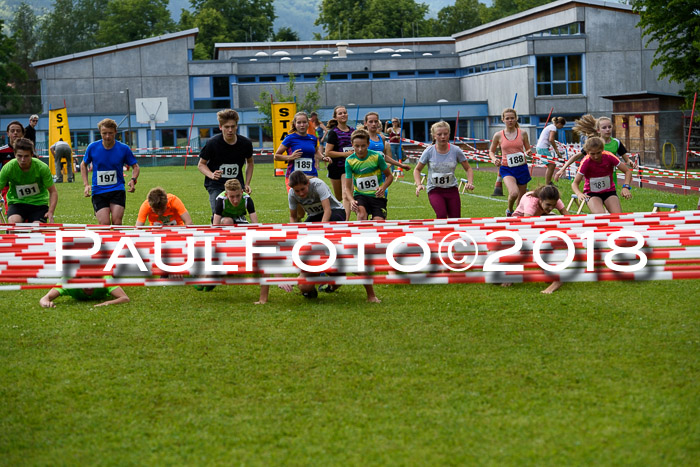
229,170
314,208
27,190
106,177
367,183
443,180
305,165
349,149
600,184
515,159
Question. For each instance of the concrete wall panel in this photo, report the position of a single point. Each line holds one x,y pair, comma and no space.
78,94
165,58
75,69
432,90
603,30
211,68
117,64
108,98
495,53
176,89
499,89
559,46
507,32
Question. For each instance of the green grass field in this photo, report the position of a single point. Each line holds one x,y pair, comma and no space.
601,373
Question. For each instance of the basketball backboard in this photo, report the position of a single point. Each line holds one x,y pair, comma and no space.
152,110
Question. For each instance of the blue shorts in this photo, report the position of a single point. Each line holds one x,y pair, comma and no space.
521,173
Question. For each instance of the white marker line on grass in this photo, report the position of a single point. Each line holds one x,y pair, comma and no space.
469,194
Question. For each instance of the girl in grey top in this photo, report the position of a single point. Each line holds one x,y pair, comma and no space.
442,159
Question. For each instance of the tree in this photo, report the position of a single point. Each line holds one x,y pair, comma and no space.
10,72
230,21
24,34
131,20
70,27
309,103
285,34
675,26
212,29
463,15
502,8
370,19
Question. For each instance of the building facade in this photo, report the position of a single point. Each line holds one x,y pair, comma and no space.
562,57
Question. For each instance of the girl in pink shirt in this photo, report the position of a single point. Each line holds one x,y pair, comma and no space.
598,169
539,203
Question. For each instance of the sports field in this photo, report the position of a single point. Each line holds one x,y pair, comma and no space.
597,373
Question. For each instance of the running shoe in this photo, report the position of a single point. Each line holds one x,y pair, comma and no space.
311,294
328,288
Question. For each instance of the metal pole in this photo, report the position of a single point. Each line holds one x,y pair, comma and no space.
128,114
690,130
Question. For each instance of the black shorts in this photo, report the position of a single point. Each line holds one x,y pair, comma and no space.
103,200
337,215
336,169
602,196
375,207
29,212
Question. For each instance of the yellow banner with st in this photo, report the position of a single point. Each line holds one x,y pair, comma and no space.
282,115
58,130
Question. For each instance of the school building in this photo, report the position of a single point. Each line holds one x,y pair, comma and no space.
572,56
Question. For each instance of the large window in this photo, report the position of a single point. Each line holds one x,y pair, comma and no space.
255,135
174,137
566,30
211,92
493,66
81,139
559,75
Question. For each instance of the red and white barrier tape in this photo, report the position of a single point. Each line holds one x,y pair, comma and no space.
28,253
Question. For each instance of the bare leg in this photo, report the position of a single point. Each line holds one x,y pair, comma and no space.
371,297
362,213
595,205
549,173
613,204
553,287
103,216
513,191
117,212
338,191
264,294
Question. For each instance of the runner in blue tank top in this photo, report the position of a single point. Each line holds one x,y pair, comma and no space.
379,144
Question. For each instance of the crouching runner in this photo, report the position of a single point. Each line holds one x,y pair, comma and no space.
314,196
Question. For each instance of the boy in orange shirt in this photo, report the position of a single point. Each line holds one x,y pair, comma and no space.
162,208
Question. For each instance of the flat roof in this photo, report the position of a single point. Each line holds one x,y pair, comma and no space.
333,43
640,95
113,48
543,9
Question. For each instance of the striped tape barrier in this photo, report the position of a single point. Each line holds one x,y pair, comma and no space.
671,247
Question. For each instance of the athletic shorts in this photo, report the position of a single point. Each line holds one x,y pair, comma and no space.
29,212
336,169
375,207
521,173
337,215
104,200
603,196
546,156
